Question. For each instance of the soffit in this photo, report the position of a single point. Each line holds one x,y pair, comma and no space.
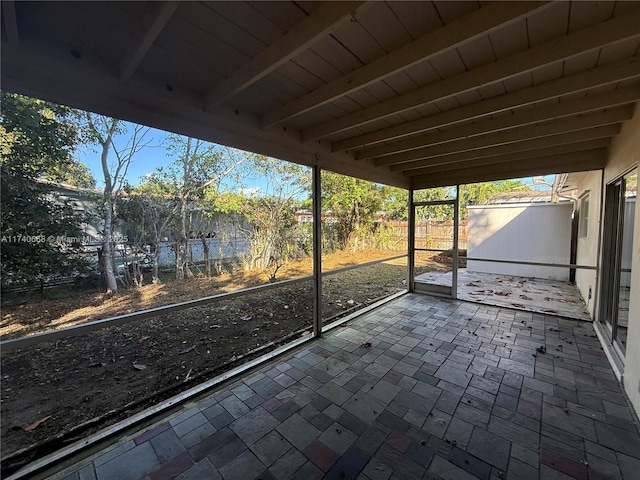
412,94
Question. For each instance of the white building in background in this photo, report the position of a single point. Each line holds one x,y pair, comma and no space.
522,227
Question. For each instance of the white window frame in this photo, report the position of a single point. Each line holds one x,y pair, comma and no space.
583,216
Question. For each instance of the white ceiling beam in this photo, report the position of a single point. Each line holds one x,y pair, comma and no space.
323,21
578,82
617,115
571,162
469,27
512,157
576,106
607,131
588,39
47,71
10,21
155,18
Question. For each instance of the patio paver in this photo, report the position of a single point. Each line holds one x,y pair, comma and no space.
422,388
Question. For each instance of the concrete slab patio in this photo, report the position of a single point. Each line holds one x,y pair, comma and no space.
421,388
524,293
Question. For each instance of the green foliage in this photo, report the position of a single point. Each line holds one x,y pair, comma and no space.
470,194
351,203
37,140
275,236
41,238
193,184
481,193
394,202
40,231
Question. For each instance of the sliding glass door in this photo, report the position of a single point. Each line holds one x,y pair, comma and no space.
619,215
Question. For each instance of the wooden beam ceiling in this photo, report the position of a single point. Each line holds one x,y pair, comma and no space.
393,92
531,155
504,123
9,21
576,83
586,135
566,163
585,40
327,18
546,129
155,18
462,30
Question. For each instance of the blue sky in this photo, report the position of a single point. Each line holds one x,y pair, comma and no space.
146,161
155,155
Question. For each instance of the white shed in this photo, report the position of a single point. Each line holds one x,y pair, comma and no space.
532,232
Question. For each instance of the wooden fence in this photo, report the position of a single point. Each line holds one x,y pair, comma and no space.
435,234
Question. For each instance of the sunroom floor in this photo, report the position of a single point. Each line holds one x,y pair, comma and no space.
421,388
537,295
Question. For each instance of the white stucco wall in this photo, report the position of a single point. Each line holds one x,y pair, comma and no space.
526,232
587,249
624,154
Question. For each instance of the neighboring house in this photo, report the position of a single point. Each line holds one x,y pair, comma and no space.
85,202
224,234
523,196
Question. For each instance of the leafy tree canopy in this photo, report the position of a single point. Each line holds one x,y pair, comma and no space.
37,141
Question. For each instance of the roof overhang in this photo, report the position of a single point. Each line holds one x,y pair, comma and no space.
411,94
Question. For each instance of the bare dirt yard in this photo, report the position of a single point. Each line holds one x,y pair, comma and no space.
59,391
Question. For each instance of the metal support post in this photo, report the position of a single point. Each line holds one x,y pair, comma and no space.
317,251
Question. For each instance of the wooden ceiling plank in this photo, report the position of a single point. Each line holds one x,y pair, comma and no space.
428,45
603,75
320,23
417,17
573,162
248,17
49,72
506,122
619,114
606,131
595,37
155,18
10,21
384,26
513,157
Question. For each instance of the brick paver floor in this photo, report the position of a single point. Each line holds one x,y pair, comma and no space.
421,388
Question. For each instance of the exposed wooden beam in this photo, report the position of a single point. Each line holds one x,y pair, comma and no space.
572,162
155,18
326,19
585,40
47,71
512,157
10,21
469,27
607,131
578,82
617,115
507,122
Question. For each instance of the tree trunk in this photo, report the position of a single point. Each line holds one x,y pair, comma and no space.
182,250
205,251
154,275
108,253
178,249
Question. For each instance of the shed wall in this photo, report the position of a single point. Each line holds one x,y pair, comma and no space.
525,232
